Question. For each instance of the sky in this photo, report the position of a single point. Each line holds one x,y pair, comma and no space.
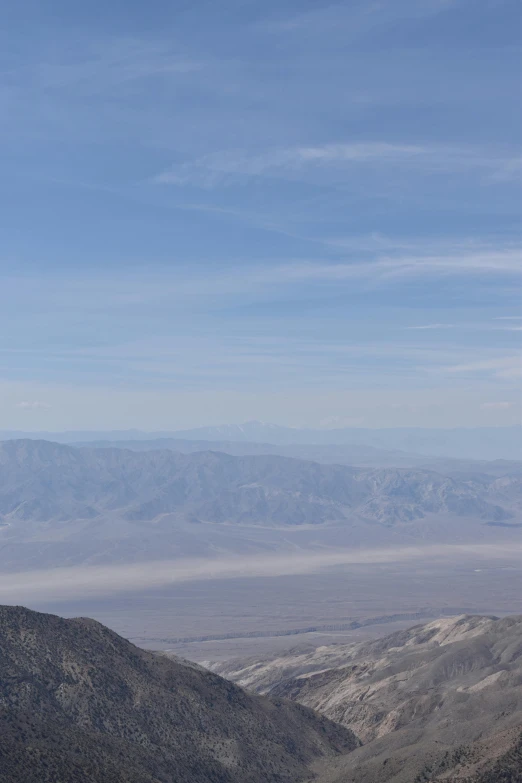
306,213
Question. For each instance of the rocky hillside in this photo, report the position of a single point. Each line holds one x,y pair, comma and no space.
495,759
441,701
43,481
79,704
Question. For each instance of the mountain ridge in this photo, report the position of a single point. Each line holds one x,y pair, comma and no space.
41,481
80,703
487,443
352,455
439,702
433,702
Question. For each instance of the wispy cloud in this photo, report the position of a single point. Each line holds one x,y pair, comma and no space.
93,67
32,405
433,326
486,262
188,286
503,367
222,168
487,326
497,406
283,141
355,19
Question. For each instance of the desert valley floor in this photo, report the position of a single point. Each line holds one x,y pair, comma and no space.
211,619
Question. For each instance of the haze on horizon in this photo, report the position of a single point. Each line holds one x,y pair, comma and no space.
304,213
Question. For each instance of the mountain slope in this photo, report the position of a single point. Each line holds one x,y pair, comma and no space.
426,702
44,481
495,759
79,703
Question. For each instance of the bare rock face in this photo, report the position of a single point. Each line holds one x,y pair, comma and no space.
441,701
79,704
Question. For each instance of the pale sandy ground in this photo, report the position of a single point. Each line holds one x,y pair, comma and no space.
159,604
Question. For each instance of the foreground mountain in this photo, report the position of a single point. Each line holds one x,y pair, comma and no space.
44,481
79,704
441,701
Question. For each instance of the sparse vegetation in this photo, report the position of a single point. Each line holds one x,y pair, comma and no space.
79,704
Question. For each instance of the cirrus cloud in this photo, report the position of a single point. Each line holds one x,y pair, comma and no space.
32,405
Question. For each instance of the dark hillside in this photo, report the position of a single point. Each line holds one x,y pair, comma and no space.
80,704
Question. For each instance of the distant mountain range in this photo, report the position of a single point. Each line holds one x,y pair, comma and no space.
42,481
62,504
470,443
438,702
483,443
356,456
79,704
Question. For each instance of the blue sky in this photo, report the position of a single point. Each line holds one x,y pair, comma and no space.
307,213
